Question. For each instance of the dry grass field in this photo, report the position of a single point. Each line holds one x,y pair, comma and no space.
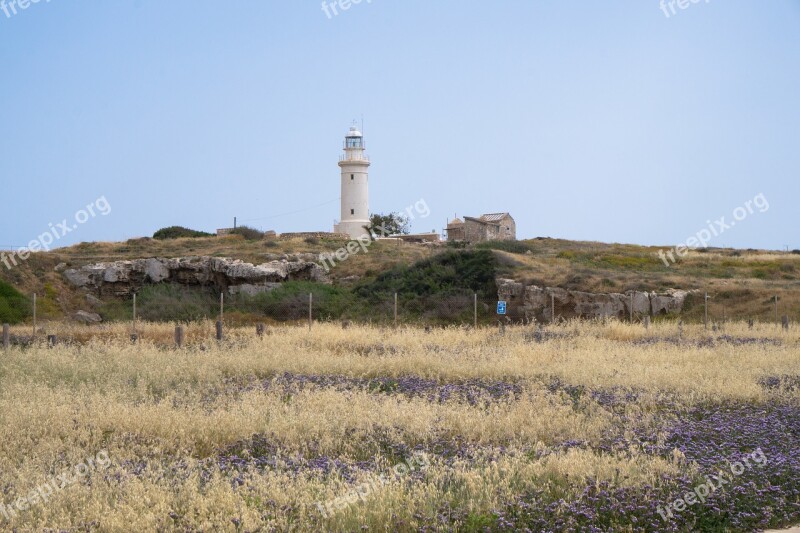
577,427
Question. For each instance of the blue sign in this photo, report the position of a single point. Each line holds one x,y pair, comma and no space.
501,307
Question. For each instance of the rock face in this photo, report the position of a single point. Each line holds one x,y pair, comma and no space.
122,278
534,302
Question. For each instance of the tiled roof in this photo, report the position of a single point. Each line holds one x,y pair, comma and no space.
493,217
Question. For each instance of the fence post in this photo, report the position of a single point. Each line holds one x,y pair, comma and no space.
785,322
631,309
260,329
179,336
6,336
475,309
552,307
219,330
310,309
776,310
34,316
395,309
647,322
134,314
705,319
52,340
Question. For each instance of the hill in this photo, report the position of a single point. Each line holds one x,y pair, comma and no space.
742,283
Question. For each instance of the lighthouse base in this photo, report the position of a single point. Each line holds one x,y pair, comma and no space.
355,228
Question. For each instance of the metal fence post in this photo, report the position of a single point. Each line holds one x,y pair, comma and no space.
6,337
475,310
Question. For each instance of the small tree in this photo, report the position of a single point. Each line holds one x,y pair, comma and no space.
384,225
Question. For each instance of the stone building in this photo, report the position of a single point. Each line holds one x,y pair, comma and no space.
488,227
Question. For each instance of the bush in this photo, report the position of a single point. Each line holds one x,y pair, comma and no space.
170,302
14,307
446,273
178,232
250,234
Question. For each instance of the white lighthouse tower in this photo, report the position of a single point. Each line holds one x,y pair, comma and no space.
355,186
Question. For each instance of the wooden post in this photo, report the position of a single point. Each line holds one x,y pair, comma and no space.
552,307
260,327
785,322
6,336
395,309
219,330
34,315
680,329
179,336
631,310
705,320
134,314
475,310
776,310
51,341
310,309
221,306
647,322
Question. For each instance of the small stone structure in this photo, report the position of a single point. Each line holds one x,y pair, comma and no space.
533,302
315,235
488,227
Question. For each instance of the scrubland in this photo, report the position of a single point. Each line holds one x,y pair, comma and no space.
564,428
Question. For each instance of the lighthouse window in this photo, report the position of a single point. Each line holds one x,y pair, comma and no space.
352,211
352,177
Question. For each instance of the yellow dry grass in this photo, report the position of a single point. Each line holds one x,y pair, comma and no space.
165,415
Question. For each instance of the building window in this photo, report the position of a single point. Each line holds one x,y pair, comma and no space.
352,211
352,177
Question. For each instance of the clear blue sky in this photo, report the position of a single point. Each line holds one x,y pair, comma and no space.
602,121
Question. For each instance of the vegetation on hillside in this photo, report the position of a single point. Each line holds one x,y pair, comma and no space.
178,232
249,234
14,307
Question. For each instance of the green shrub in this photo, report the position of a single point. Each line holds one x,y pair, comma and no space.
290,301
178,232
449,272
14,307
250,234
167,303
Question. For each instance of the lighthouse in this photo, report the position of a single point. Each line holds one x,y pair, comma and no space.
354,165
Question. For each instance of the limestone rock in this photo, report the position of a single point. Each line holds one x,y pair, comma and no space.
121,278
87,318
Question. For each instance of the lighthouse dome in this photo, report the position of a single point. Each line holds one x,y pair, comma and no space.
354,132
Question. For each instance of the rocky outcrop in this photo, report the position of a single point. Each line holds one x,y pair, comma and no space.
121,278
532,302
